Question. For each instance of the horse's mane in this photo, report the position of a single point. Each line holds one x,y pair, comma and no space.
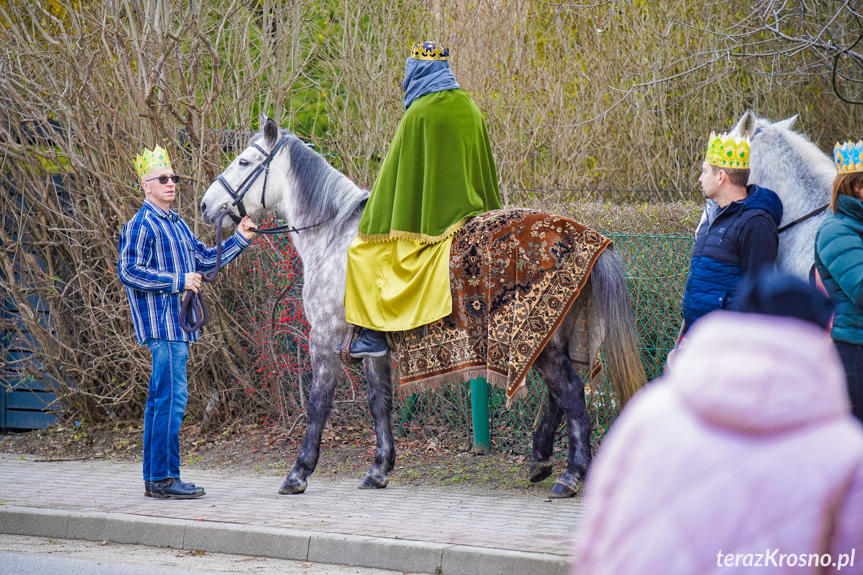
792,166
821,165
810,154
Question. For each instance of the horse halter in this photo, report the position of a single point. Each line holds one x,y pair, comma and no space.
241,191
246,184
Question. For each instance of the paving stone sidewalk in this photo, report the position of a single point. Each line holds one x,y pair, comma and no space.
496,522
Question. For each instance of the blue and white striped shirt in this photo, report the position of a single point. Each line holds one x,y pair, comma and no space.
157,249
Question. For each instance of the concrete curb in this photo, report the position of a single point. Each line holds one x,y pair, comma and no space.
318,547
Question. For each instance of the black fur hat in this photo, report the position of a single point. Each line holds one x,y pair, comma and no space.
784,295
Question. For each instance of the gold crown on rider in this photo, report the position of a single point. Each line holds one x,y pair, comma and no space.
150,160
429,51
728,151
848,157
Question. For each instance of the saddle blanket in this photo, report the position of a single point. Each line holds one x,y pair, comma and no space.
514,274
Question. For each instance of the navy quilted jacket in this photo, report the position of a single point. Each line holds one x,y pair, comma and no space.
732,242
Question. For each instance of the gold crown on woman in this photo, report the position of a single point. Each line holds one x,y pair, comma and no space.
150,160
848,157
728,151
429,51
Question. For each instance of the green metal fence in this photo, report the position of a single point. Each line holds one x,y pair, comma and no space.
656,269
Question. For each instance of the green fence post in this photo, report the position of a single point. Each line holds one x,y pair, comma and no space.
479,413
407,415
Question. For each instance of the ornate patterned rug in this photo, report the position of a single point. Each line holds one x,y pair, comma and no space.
514,275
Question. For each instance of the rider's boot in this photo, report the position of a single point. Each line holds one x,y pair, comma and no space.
370,343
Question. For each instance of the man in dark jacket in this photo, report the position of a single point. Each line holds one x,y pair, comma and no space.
739,233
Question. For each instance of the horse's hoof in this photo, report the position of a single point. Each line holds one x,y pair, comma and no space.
293,486
562,490
539,471
372,482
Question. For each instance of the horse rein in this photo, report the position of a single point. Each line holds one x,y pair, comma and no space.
813,213
289,229
192,319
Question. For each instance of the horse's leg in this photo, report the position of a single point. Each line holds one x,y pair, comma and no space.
543,441
380,387
325,373
567,389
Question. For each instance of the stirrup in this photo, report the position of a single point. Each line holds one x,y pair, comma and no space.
345,351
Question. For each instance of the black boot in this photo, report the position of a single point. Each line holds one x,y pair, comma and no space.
370,343
173,488
148,487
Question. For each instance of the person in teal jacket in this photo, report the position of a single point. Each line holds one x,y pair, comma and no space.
839,259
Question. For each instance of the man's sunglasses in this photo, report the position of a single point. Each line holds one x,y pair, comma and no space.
164,179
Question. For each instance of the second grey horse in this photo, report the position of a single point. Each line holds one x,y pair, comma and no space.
802,176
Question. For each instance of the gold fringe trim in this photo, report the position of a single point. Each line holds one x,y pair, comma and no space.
464,376
414,236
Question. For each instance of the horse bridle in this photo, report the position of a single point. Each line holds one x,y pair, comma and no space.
246,185
192,319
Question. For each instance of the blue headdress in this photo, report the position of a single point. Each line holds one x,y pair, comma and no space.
848,157
427,71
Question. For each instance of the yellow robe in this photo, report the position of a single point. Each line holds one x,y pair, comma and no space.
437,174
397,285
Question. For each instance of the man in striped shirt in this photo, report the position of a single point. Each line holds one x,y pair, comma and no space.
160,258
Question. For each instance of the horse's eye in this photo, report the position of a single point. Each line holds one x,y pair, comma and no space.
244,162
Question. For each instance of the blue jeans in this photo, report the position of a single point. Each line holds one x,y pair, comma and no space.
852,361
166,405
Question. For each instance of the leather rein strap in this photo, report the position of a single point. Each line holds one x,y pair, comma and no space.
288,229
813,213
192,319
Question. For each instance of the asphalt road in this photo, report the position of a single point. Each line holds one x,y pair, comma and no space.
38,556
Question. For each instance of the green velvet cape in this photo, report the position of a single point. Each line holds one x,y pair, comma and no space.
438,172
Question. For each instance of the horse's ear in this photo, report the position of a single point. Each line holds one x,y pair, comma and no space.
747,124
787,123
271,132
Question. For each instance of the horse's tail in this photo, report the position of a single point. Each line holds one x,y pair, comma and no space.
613,308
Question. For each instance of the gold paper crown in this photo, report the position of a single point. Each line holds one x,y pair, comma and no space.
429,51
847,157
150,160
728,151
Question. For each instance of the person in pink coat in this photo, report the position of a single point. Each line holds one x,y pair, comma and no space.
743,457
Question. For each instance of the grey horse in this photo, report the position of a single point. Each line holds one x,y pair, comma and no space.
325,207
802,176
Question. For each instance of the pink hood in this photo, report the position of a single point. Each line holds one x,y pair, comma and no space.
753,373
746,445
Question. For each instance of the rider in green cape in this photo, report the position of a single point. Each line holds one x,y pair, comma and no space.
438,173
